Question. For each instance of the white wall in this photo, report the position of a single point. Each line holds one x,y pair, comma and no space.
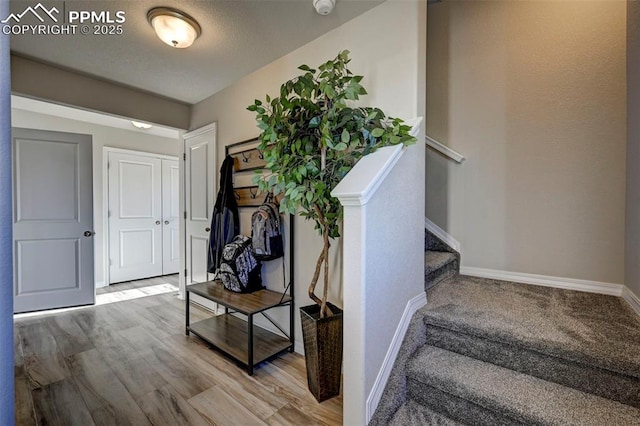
384,48
102,136
533,94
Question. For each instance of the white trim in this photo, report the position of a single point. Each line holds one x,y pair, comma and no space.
392,353
444,150
442,234
105,217
88,116
208,128
372,169
100,284
108,149
357,188
200,131
631,299
415,126
546,281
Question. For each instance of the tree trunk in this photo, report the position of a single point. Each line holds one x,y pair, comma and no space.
325,311
314,280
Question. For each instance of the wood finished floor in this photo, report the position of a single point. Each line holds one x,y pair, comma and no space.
130,363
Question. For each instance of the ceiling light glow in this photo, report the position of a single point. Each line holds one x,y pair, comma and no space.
175,28
143,126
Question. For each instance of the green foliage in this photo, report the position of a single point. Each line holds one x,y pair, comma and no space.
311,137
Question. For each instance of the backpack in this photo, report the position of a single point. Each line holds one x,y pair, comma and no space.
239,270
265,231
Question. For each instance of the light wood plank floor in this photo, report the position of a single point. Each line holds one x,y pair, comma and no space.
130,363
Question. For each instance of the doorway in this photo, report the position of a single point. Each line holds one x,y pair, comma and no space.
52,220
200,181
142,215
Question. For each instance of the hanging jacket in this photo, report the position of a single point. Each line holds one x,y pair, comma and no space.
225,223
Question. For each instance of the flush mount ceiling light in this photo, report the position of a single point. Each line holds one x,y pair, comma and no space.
175,28
139,125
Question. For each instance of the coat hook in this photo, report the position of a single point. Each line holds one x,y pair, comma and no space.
260,155
236,195
245,159
253,194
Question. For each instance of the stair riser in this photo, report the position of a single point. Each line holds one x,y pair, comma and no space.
431,242
414,414
454,407
441,274
596,381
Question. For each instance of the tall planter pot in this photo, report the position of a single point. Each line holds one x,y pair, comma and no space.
323,350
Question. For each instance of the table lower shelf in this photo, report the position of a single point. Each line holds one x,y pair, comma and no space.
230,335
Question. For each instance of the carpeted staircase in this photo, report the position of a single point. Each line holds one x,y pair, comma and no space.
440,260
487,352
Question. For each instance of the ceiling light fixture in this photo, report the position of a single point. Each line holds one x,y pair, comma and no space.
143,126
175,28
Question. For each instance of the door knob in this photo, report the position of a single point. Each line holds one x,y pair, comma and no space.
207,229
88,233
157,222
166,222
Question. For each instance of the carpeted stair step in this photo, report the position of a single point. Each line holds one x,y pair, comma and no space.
433,243
584,341
598,381
474,392
413,414
439,265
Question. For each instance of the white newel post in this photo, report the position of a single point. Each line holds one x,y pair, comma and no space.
383,265
354,272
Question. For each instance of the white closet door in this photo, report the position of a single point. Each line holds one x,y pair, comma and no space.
135,217
200,176
170,217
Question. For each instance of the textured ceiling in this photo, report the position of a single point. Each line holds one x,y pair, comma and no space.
238,37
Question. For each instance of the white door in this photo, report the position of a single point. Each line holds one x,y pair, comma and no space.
170,217
200,186
135,217
53,220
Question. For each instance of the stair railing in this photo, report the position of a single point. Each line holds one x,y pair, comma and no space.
444,150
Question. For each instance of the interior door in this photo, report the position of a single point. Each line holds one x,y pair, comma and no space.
170,217
200,185
135,217
53,220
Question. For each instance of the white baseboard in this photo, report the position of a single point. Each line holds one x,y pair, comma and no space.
100,284
631,299
390,358
546,281
442,234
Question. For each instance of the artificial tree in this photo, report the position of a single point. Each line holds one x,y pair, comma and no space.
312,135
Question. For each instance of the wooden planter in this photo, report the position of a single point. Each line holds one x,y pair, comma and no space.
323,350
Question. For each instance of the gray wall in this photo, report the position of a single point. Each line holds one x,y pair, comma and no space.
41,81
632,261
6,275
533,94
